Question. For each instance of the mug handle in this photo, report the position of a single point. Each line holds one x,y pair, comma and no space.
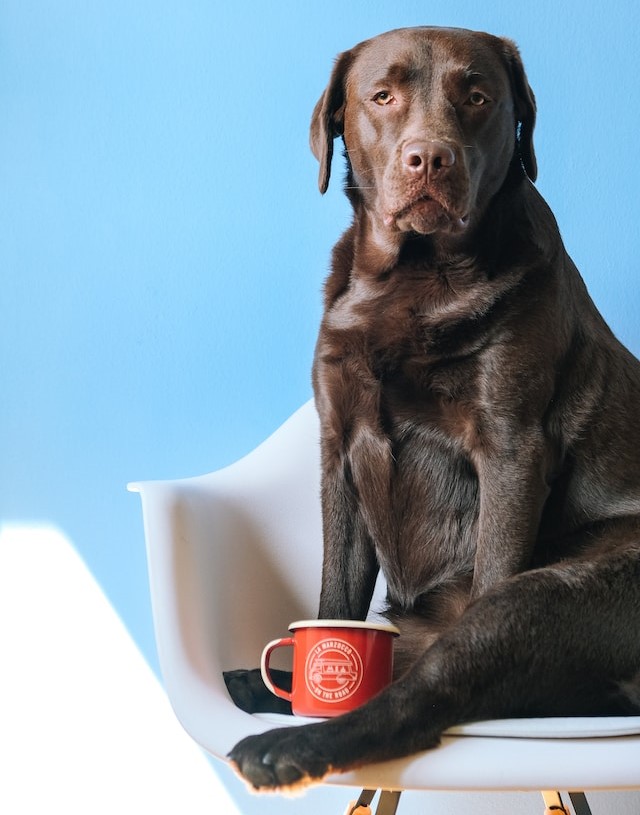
269,648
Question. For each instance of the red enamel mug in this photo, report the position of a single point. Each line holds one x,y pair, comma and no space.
337,664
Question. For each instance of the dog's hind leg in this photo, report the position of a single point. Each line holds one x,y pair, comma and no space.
572,628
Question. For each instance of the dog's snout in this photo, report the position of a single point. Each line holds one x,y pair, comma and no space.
427,157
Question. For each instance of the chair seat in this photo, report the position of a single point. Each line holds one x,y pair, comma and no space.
557,727
234,556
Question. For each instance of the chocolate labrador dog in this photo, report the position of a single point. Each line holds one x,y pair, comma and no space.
480,422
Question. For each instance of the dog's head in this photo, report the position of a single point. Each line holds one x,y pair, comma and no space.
433,120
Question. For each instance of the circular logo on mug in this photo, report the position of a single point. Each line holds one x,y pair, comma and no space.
333,670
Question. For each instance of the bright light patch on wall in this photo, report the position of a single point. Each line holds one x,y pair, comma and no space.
84,725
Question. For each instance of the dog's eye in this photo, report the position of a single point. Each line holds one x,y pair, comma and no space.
383,98
477,99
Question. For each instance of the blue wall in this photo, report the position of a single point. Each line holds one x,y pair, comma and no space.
163,242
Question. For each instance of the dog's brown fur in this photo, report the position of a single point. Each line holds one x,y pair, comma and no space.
480,432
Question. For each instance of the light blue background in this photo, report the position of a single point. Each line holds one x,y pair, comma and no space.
163,242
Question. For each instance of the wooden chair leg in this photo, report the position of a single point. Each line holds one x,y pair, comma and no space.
361,806
387,804
553,803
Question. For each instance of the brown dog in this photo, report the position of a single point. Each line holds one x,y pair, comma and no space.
480,422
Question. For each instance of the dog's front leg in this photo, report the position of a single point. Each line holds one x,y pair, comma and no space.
513,488
356,476
350,566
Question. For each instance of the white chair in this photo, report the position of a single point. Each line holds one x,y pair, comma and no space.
234,556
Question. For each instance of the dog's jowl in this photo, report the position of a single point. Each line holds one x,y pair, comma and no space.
480,422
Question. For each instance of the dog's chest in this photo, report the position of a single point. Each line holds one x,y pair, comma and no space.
402,326
409,341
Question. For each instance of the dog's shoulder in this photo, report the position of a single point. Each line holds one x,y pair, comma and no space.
341,267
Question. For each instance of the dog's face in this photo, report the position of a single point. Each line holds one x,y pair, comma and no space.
432,121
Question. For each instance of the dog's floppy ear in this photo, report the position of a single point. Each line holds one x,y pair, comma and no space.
327,121
525,105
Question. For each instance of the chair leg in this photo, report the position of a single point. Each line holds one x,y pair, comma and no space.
387,804
361,806
553,803
579,803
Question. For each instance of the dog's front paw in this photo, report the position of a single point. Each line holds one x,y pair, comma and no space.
250,694
287,758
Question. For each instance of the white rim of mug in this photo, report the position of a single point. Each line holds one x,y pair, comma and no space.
363,625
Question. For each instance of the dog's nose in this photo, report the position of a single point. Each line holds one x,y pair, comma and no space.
427,157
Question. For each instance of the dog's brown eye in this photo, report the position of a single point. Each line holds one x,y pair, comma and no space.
383,98
477,99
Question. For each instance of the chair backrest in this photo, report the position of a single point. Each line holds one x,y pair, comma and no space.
235,555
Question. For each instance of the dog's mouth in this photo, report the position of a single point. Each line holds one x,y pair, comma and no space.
425,215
